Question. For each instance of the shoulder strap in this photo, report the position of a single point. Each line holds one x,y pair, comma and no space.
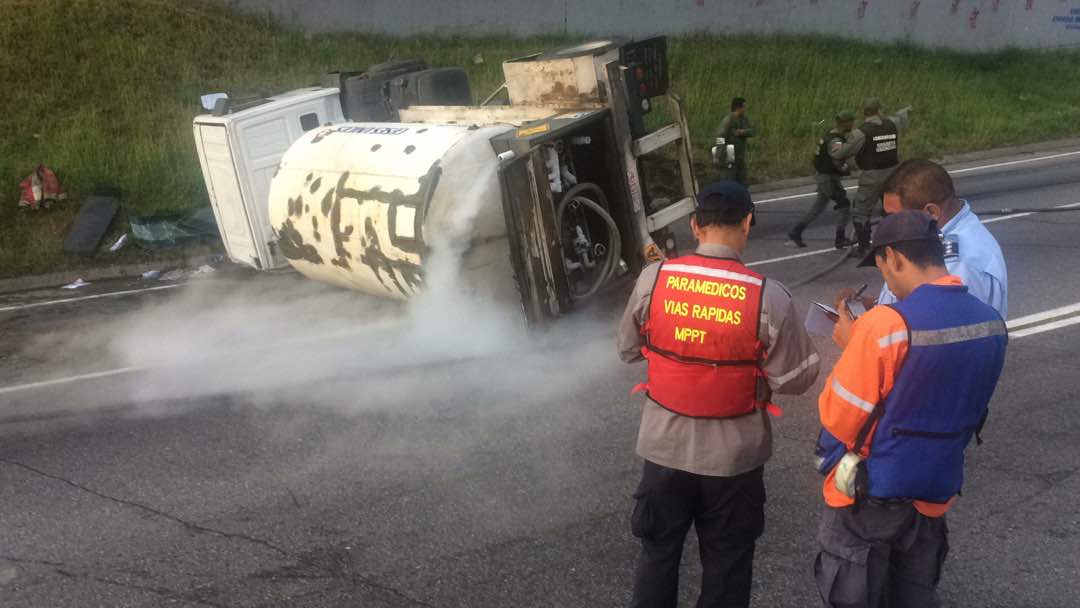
864,432
879,408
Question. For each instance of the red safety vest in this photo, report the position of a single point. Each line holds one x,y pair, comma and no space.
701,338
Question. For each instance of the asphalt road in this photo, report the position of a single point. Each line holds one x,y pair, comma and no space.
252,441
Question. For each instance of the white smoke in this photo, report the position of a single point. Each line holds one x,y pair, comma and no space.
285,341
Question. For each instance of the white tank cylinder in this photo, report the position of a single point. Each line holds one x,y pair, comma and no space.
365,205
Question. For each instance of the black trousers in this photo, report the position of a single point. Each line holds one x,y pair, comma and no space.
729,516
880,556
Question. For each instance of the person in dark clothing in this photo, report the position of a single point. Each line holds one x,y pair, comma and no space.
830,167
734,130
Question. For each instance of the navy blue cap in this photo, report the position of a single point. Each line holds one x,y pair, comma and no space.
906,225
731,199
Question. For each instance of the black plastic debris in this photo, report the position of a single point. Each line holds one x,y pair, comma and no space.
90,225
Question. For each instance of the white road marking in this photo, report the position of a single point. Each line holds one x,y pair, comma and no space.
820,251
93,297
791,197
1016,162
381,325
91,376
793,256
1034,159
1042,316
1038,329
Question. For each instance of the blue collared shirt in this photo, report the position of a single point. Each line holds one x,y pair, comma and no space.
979,262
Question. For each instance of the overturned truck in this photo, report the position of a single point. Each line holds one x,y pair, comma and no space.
359,181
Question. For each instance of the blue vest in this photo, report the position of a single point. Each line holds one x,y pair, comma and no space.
955,354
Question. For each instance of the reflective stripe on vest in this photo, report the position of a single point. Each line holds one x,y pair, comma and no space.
701,337
940,397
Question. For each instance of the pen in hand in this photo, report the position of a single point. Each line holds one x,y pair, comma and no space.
855,298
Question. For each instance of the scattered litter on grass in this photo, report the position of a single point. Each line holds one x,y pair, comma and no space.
40,189
119,243
76,284
151,274
203,270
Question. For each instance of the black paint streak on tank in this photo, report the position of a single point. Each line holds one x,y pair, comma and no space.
315,185
293,247
419,202
343,255
327,202
296,206
307,209
422,130
307,179
410,149
372,255
375,259
314,223
376,147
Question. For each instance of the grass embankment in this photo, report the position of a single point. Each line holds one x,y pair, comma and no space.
104,91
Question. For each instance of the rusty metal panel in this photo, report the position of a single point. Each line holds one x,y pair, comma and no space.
511,115
544,236
565,82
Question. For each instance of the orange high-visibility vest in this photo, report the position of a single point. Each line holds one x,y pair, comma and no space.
701,337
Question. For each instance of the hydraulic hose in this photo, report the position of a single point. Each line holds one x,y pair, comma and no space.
614,237
817,275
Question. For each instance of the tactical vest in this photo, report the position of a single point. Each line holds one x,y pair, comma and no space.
939,400
823,163
701,338
880,149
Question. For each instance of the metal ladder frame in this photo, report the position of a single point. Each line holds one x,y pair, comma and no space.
631,149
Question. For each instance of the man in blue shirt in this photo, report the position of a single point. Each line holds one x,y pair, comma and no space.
971,252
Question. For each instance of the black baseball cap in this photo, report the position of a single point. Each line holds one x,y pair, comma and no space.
730,199
906,225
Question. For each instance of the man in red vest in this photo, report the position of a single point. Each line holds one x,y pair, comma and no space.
719,340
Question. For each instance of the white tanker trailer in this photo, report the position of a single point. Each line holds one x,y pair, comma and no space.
543,199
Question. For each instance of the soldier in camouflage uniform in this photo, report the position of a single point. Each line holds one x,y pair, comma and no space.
735,129
874,145
830,166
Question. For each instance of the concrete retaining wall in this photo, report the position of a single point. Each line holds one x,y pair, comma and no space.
960,24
